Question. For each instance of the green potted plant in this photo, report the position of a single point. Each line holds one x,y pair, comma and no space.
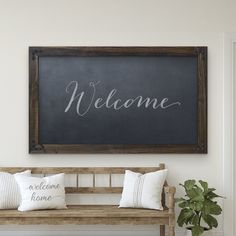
198,208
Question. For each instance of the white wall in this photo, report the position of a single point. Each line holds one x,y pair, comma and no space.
25,23
234,129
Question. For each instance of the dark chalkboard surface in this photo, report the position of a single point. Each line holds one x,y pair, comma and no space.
118,100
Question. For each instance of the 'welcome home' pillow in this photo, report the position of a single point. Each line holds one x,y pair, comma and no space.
42,193
9,191
143,190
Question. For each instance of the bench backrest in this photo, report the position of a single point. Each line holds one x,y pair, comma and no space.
110,189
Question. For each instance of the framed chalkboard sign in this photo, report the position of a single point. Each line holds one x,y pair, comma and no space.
118,100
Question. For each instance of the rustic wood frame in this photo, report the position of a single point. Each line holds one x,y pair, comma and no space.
95,214
36,52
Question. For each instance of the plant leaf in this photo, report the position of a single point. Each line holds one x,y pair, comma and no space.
198,206
183,204
188,184
180,199
195,194
195,220
204,185
197,230
184,216
212,195
210,220
211,207
211,190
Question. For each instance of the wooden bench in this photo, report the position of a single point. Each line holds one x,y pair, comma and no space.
95,214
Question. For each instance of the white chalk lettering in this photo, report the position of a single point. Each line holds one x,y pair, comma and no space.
112,101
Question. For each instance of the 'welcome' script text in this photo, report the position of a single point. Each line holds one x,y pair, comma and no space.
111,102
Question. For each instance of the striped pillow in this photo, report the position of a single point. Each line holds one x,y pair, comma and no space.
10,196
143,190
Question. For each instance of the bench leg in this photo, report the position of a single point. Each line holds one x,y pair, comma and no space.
162,230
171,230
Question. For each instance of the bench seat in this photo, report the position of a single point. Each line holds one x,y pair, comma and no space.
86,214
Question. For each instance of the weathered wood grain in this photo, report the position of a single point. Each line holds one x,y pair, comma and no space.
80,170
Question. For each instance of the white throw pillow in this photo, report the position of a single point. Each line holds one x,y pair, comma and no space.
42,193
10,196
143,190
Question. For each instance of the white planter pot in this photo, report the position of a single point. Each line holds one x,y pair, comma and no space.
206,233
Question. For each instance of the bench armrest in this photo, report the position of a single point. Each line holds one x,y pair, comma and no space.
170,192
